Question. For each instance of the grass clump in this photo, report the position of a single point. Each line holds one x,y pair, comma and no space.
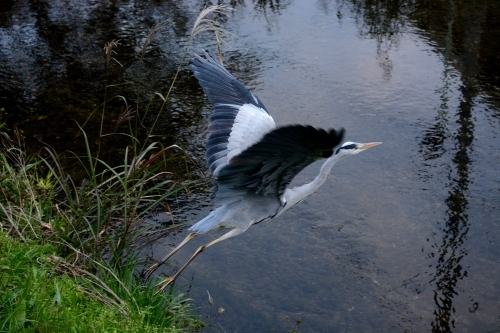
35,297
68,253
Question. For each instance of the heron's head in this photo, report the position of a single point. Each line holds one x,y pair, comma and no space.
353,148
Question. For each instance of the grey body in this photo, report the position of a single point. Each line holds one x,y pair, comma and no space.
252,160
240,214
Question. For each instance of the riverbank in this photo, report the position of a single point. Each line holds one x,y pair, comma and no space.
68,252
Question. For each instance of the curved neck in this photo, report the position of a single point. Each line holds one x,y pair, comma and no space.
293,196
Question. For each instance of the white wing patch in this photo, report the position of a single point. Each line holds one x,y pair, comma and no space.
250,125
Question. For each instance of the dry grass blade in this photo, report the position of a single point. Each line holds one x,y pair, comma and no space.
149,37
126,114
95,279
63,267
8,216
220,41
203,23
140,162
109,48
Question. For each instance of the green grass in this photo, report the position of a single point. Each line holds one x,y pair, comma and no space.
68,253
36,297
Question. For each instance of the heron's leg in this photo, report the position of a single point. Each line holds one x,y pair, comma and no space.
163,284
153,268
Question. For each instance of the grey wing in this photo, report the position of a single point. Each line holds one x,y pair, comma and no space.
239,118
268,166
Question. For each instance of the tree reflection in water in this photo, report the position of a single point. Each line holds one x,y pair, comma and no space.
465,44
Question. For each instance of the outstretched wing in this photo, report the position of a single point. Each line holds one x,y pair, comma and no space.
239,118
268,166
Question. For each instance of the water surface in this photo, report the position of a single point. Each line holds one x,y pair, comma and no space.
401,238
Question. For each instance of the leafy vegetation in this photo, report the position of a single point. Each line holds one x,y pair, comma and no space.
67,258
36,297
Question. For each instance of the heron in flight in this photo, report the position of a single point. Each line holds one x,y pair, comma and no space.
252,160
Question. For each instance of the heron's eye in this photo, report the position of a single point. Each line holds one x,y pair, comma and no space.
351,146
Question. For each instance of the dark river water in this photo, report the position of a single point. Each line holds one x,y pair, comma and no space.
401,238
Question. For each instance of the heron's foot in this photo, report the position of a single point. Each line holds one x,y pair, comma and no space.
165,283
151,270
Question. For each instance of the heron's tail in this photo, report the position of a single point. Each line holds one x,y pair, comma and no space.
211,221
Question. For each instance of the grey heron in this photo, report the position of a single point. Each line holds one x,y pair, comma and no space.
252,160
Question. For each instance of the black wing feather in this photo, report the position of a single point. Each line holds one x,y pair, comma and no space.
269,166
219,85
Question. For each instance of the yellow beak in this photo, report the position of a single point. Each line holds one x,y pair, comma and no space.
365,146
